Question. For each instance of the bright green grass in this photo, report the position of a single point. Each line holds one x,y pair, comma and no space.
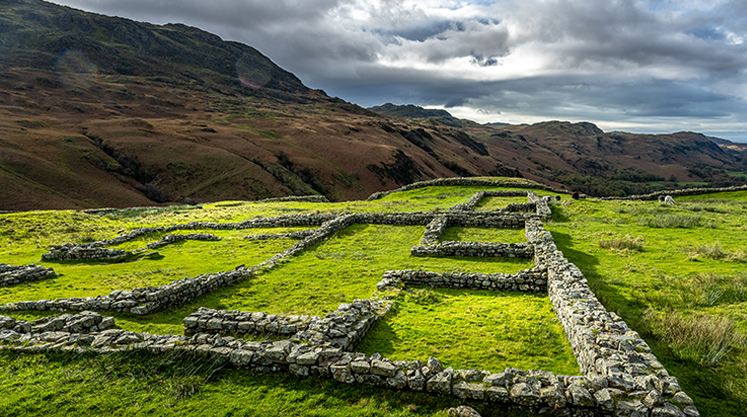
730,196
646,287
496,203
179,384
475,329
345,267
142,241
483,234
176,261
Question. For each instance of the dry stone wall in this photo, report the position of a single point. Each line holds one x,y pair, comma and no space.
434,230
464,182
528,280
169,239
475,249
206,320
16,274
605,347
302,199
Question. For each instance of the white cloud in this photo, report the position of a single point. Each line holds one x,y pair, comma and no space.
617,63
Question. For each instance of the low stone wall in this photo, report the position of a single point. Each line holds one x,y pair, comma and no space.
302,234
85,322
605,347
475,249
464,182
528,280
302,198
679,193
206,320
89,251
434,230
543,210
345,327
12,274
169,239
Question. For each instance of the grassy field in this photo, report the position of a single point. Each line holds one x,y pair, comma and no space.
677,274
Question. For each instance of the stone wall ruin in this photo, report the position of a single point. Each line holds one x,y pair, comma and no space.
621,375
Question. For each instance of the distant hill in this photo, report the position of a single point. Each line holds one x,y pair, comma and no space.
413,112
42,35
99,111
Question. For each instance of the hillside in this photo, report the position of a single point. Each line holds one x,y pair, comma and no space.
99,111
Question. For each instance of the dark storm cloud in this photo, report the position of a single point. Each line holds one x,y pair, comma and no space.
614,62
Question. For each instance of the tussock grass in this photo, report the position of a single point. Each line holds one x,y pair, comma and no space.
701,339
627,243
700,290
715,252
668,221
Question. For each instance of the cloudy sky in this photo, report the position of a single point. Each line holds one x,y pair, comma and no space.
634,65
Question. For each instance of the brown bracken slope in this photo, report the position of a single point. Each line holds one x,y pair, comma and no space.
98,111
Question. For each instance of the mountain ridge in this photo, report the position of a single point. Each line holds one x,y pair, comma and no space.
106,112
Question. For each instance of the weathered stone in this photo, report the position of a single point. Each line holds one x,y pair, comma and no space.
463,411
308,358
604,400
524,394
369,379
500,379
497,394
299,370
277,354
691,411
682,399
467,390
360,367
631,409
415,380
434,365
553,397
341,372
398,381
440,383
653,399
668,410
580,396
382,368
240,357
